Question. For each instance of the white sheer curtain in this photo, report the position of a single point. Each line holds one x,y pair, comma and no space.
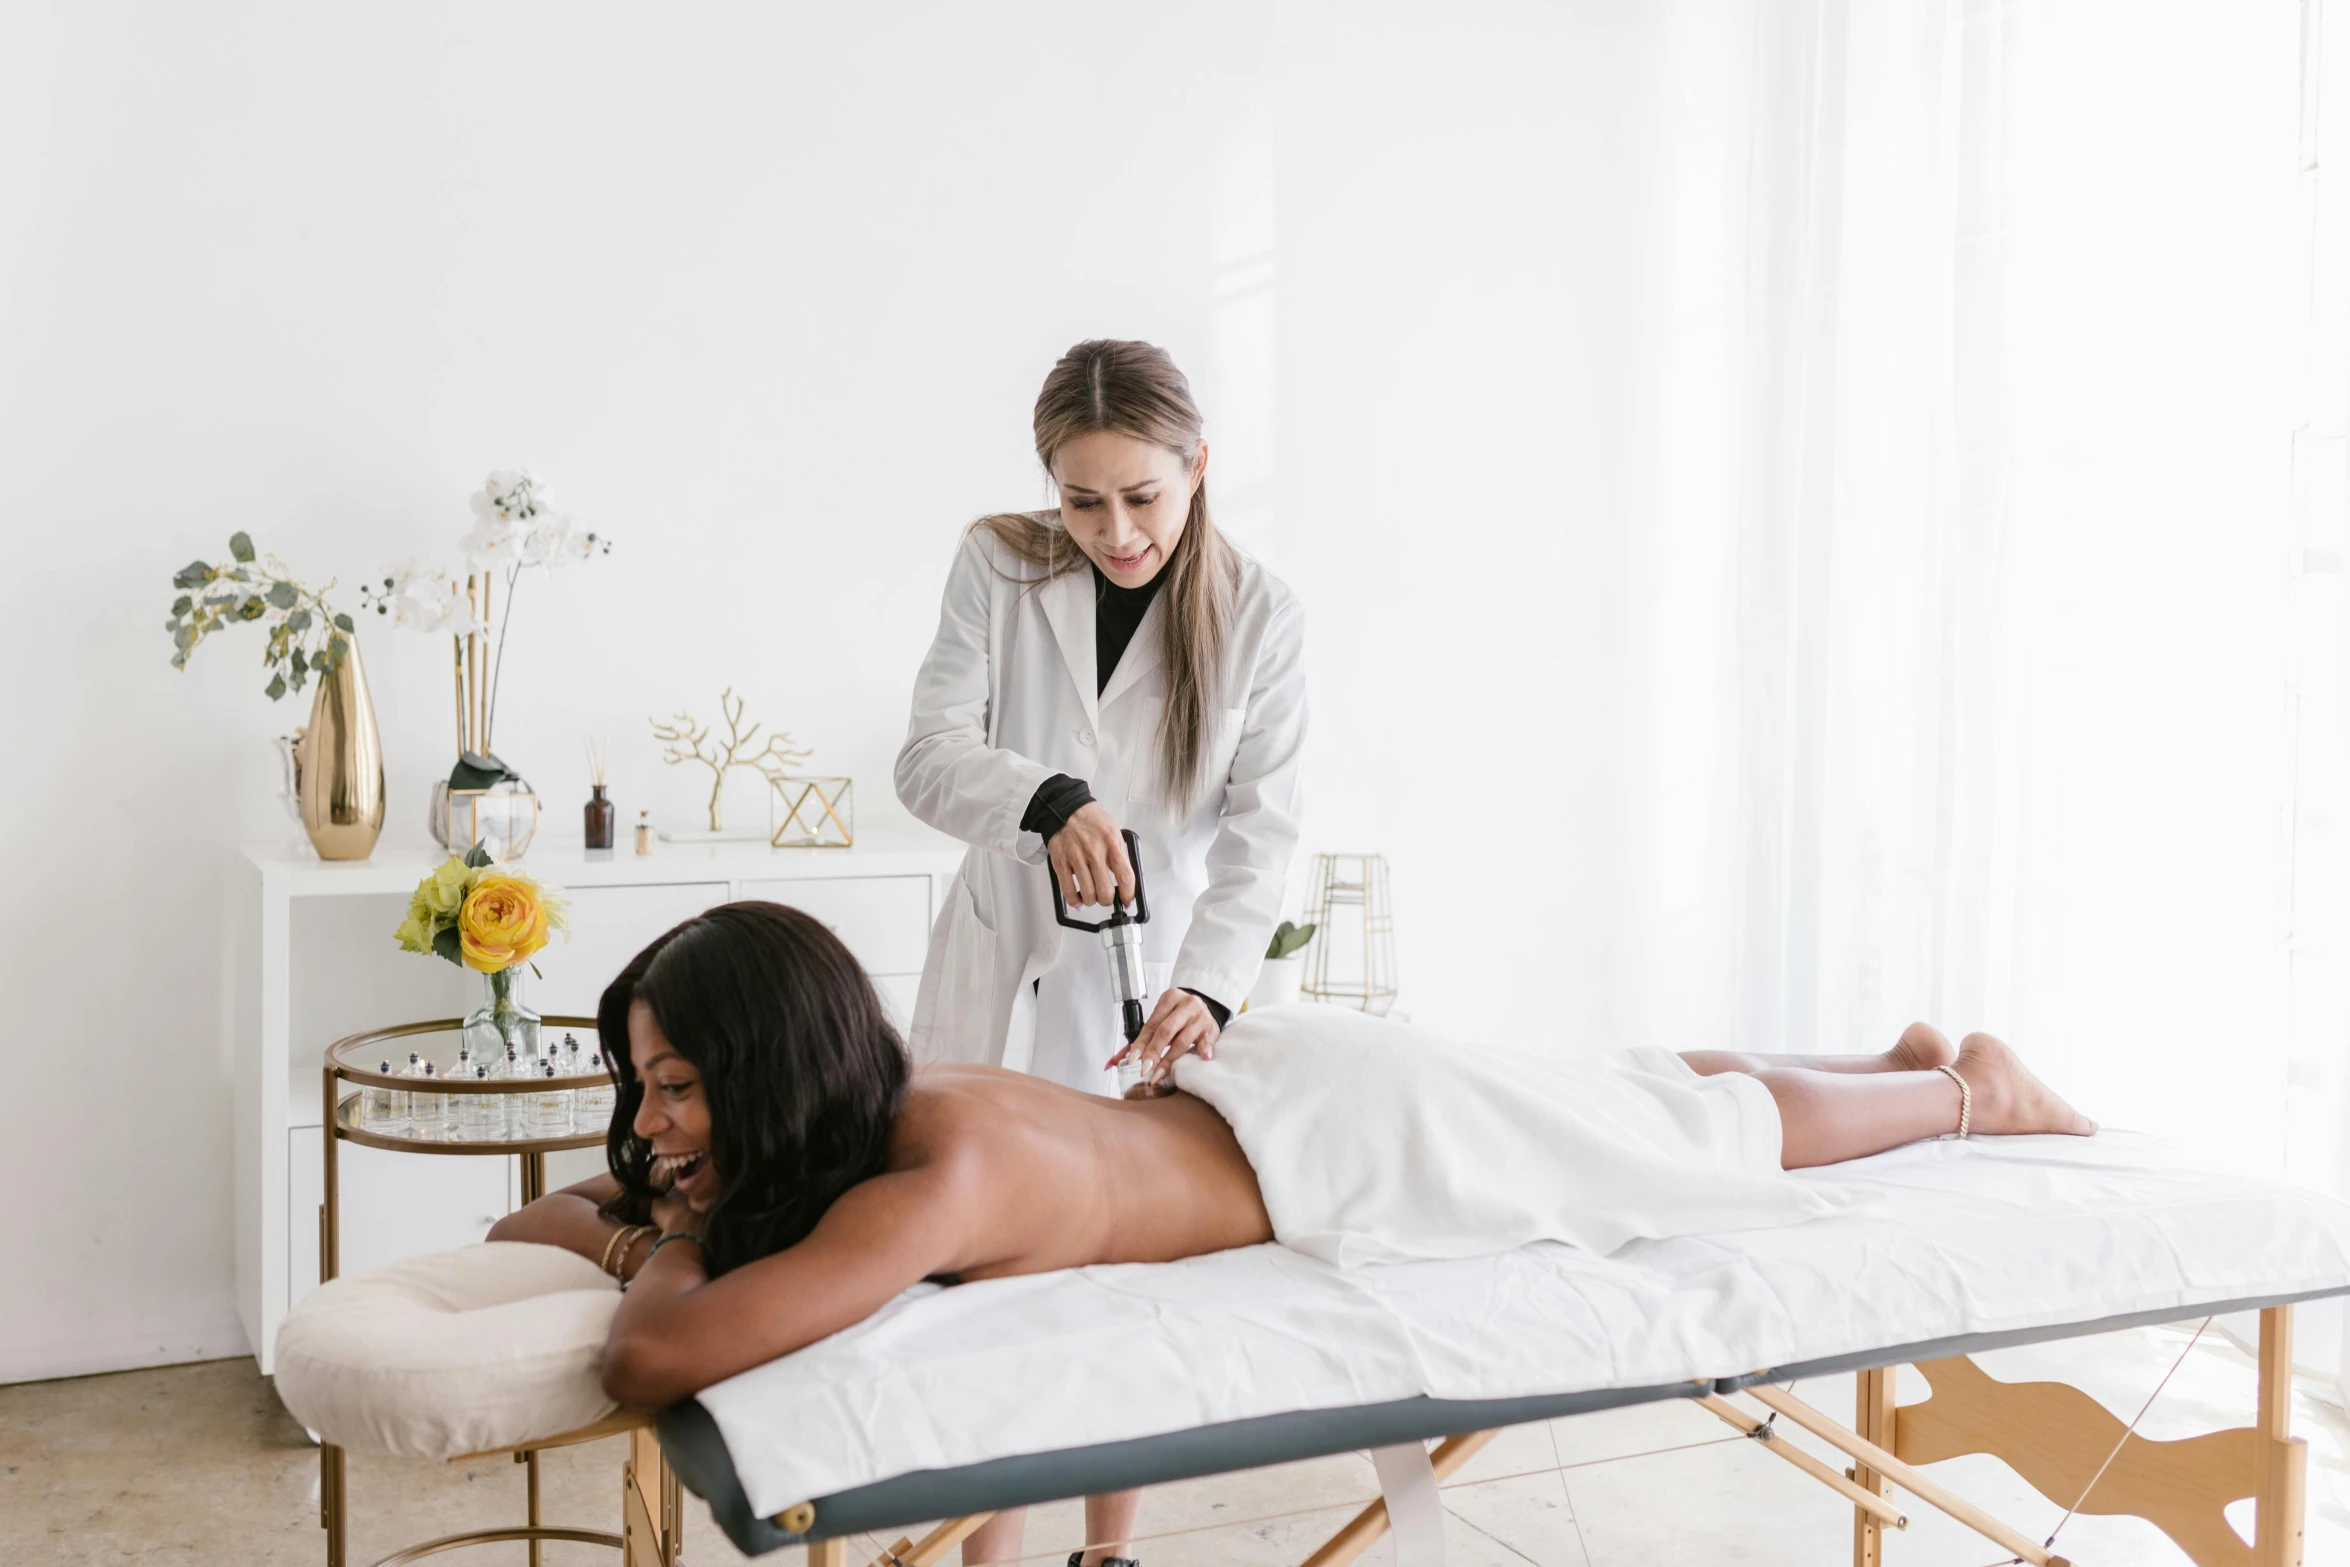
1982,355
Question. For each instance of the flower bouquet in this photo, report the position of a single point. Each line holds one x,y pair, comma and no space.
491,919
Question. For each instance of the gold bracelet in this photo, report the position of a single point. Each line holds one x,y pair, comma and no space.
616,1249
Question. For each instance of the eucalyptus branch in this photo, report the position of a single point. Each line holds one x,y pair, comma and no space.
305,632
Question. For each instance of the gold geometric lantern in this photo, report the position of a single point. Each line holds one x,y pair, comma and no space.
502,818
1352,961
812,813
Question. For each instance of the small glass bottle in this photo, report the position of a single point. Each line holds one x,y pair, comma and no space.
547,1108
514,1072
481,1118
644,832
403,1101
597,1099
598,818
426,1111
375,1104
571,1066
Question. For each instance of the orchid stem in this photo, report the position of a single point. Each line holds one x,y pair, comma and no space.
498,663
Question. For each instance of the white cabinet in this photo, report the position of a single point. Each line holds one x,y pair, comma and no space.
610,925
315,961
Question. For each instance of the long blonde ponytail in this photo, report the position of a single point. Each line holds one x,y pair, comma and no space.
1135,389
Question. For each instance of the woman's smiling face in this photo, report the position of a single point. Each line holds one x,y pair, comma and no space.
1124,501
674,1115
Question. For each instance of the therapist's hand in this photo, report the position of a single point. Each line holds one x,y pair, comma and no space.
1180,1024
1089,859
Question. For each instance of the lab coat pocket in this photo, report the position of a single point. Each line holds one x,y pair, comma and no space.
1226,743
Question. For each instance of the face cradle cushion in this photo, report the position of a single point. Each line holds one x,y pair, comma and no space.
455,1352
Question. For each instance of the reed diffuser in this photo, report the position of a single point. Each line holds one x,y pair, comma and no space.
599,814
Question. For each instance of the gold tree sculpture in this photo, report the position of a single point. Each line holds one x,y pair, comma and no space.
685,739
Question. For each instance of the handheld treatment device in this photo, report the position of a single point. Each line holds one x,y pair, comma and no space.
1121,935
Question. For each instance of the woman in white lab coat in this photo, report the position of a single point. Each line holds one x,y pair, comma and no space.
1111,663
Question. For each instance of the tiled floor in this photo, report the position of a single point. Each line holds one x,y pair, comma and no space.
198,1464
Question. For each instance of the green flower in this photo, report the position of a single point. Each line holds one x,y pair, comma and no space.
442,893
415,932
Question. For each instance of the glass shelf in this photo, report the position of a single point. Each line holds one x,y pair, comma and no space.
347,1126
342,1066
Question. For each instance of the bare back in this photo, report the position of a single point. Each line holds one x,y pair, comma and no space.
1057,1178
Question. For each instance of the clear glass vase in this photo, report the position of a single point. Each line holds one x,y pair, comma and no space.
502,1019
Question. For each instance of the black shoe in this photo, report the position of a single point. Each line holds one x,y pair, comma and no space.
1077,1557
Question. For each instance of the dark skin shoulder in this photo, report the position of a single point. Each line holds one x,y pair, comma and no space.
990,1174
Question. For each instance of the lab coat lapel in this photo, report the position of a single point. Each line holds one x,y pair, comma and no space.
1068,608
1143,652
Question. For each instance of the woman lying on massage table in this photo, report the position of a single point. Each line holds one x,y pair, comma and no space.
801,1174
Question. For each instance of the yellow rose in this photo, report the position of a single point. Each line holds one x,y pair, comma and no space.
443,892
503,921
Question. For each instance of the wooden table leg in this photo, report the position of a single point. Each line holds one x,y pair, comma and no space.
1873,1419
2283,1473
1358,1533
828,1553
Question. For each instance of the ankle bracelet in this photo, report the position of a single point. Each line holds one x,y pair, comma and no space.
1966,1098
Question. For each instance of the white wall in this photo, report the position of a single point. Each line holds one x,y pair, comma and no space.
1506,318
766,295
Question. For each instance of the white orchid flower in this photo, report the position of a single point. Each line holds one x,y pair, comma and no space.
495,542
428,601
556,539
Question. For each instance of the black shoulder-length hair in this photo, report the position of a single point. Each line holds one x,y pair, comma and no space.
803,1073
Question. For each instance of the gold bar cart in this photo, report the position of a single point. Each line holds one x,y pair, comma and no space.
652,1504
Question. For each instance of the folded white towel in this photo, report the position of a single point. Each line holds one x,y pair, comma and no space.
1380,1142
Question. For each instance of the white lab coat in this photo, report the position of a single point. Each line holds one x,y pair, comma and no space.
1006,698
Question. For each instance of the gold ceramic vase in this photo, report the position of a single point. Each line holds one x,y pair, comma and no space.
341,765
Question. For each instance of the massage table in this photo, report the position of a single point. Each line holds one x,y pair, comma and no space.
953,1403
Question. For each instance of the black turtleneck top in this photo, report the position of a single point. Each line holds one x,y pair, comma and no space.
1117,612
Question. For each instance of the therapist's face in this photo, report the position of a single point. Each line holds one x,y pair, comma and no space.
1124,501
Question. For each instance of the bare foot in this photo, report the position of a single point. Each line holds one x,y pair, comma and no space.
1922,1048
2009,1099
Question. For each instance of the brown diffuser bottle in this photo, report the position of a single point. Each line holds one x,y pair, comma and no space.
598,816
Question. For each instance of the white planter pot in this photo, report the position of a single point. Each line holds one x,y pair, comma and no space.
1277,982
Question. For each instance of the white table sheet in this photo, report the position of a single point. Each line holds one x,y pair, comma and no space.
1985,1236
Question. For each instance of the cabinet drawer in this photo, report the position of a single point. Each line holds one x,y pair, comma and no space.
884,920
609,925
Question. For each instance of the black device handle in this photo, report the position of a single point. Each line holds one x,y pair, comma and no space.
1118,916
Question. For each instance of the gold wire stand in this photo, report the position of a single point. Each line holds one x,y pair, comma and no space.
1363,975
648,1486
817,813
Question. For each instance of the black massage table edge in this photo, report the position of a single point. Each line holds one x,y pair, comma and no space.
698,1453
